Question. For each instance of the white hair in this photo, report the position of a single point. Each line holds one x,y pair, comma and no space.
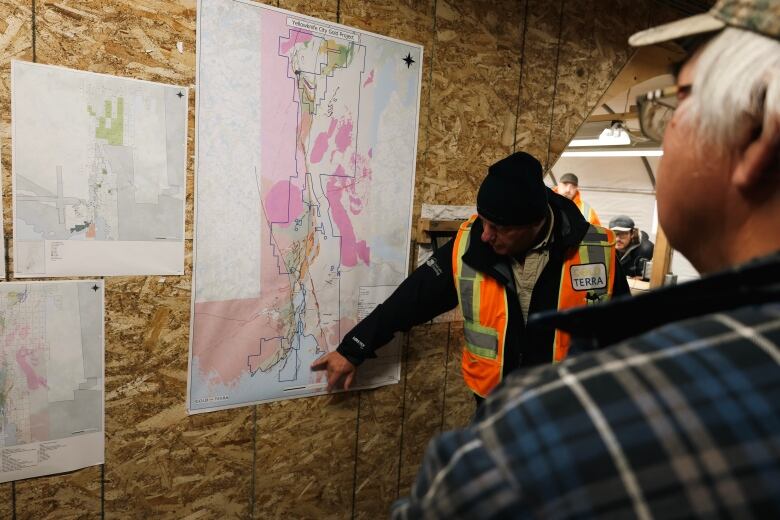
736,87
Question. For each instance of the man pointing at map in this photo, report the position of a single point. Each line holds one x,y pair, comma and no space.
526,250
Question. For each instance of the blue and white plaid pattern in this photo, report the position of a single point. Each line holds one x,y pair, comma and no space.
681,422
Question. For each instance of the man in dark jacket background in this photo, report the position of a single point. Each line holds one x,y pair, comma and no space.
633,245
524,235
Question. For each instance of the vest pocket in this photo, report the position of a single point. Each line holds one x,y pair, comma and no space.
481,341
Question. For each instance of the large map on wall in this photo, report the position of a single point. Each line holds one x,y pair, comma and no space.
99,173
306,146
51,377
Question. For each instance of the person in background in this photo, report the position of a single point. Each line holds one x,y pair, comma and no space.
568,186
682,421
633,246
526,250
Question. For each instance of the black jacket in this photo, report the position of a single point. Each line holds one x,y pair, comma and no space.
636,256
430,291
753,283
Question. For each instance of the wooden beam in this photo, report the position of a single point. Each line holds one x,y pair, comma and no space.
427,226
649,170
623,116
662,259
647,62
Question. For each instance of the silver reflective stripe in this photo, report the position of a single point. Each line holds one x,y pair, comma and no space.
594,236
597,255
483,344
466,280
585,209
467,297
466,271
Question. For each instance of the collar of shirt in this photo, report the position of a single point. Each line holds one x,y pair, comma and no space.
548,237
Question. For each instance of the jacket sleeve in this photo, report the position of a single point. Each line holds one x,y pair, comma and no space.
426,293
621,284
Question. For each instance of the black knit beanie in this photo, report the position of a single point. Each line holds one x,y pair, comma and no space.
513,192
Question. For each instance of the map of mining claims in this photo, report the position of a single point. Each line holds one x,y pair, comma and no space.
307,135
51,377
99,173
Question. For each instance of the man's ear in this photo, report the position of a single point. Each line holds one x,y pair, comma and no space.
760,159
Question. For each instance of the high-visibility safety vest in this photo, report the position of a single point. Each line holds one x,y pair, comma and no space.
587,211
588,276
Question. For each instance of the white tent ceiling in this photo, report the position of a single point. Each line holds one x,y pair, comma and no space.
621,185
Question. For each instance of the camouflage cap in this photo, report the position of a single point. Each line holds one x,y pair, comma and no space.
760,16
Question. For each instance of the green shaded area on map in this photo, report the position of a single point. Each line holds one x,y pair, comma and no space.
110,127
337,56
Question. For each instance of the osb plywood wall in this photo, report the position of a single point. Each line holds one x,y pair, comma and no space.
499,75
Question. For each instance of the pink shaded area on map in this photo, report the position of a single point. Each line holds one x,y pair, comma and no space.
278,108
227,333
355,204
39,426
344,136
335,332
363,173
268,347
295,37
23,332
351,248
283,202
26,358
369,79
321,143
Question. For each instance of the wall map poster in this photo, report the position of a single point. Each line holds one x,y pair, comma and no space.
51,377
99,173
306,147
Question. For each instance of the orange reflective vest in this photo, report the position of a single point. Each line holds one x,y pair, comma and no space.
587,211
587,277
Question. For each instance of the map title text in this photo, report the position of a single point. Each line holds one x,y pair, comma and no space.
323,30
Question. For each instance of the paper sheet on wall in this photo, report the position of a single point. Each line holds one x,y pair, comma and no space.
51,377
99,173
2,232
306,150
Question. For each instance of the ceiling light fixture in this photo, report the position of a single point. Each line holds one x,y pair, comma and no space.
614,153
615,135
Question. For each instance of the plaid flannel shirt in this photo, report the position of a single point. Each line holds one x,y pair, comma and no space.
680,422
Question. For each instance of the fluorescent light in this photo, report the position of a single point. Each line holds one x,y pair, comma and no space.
612,136
584,142
614,153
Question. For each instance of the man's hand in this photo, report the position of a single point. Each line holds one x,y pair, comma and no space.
338,370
